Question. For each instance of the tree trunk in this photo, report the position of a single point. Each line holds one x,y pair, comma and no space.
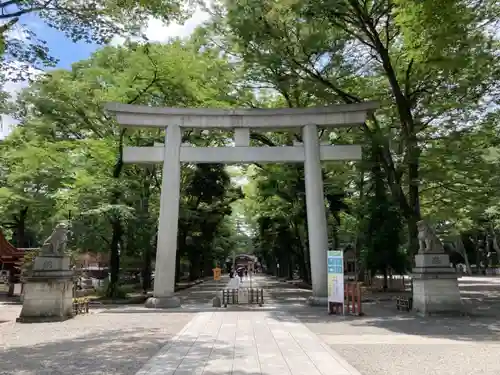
413,191
181,240
411,207
20,228
335,238
208,264
194,266
411,223
460,248
146,267
290,270
178,266
114,261
303,253
116,227
385,280
360,267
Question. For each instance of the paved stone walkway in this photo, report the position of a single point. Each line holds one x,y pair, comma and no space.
246,343
283,337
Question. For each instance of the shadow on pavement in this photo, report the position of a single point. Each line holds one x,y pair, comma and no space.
382,317
117,352
379,321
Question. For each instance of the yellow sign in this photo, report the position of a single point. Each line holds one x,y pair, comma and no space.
217,273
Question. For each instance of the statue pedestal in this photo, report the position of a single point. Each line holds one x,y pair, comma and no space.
48,292
317,301
435,286
166,302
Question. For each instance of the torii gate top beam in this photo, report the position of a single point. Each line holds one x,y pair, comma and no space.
342,115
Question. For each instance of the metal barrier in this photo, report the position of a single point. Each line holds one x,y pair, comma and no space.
229,297
404,303
251,296
352,293
352,301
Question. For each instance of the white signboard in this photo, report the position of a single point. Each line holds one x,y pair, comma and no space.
335,263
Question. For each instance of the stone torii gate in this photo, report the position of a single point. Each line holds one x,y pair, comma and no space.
172,153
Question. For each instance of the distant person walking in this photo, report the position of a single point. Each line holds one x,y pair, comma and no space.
240,273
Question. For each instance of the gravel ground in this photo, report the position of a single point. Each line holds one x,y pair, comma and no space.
114,341
120,340
387,343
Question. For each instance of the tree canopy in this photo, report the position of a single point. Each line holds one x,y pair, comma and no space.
430,151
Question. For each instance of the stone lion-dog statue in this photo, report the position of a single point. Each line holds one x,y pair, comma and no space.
427,239
55,244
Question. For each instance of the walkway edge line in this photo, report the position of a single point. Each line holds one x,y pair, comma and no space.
165,348
352,370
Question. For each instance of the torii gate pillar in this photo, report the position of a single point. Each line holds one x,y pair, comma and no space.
168,223
172,154
317,227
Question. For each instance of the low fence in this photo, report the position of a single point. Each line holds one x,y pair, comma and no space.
80,306
404,303
250,296
352,301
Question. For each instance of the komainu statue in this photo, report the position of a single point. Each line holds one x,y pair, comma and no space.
427,239
56,243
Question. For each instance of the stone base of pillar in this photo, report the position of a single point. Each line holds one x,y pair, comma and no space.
169,302
435,286
317,301
216,302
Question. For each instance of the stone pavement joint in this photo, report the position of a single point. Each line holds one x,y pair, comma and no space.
246,343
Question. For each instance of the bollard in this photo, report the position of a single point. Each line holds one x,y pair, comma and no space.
353,298
216,302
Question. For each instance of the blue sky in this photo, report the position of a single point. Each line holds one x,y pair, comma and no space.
68,52
64,49
61,47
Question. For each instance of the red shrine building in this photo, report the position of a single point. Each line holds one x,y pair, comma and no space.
10,261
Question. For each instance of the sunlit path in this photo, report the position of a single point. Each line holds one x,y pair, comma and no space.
251,343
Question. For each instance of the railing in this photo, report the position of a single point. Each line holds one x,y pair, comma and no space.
251,296
353,297
352,301
80,306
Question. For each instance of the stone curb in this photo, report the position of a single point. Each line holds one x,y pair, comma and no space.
138,299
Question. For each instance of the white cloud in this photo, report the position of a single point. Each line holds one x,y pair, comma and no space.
8,122
13,88
18,31
158,31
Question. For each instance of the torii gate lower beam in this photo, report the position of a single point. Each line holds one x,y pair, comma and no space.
172,153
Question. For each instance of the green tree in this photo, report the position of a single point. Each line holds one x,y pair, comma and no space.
381,226
89,21
106,199
338,51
